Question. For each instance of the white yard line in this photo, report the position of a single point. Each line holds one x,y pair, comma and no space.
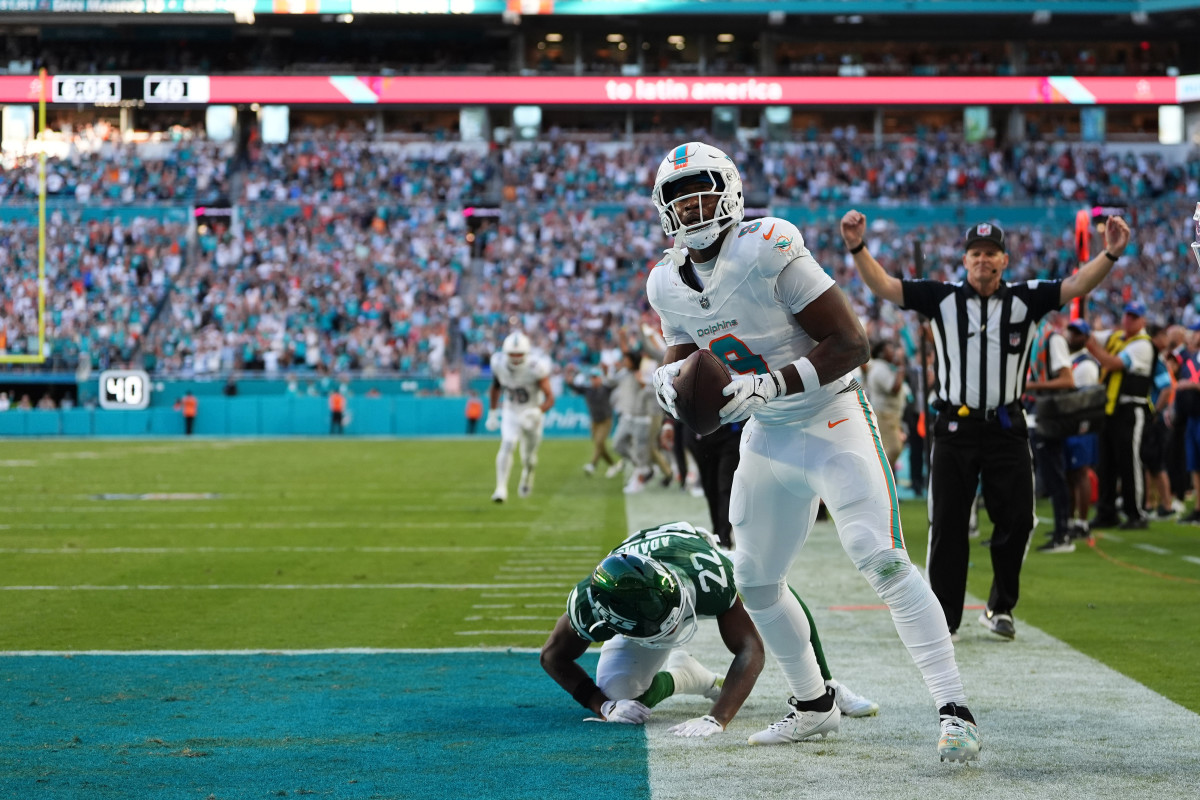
1054,723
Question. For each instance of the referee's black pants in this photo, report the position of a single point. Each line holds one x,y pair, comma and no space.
965,452
1121,459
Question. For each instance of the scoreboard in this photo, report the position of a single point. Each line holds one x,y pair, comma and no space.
124,389
90,89
175,89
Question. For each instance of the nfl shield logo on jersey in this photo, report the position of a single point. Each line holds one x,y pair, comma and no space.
704,302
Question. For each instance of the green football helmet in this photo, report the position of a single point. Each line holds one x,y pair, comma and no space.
642,599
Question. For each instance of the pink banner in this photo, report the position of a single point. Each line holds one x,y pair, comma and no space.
21,88
692,91
626,91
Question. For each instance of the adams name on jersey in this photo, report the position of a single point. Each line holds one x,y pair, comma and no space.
744,315
704,571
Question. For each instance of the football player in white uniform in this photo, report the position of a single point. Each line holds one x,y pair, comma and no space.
643,602
754,295
523,381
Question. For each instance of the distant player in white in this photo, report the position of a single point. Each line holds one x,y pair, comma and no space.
753,295
524,383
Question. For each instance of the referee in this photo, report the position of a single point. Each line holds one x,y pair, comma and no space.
982,331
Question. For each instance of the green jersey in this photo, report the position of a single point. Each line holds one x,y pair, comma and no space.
704,571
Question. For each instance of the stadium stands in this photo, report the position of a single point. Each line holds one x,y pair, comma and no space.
353,254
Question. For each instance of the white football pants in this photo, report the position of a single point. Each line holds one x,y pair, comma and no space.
785,470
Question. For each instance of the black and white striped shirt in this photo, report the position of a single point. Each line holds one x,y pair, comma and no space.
982,343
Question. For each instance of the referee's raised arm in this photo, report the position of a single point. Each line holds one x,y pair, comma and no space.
854,229
1116,239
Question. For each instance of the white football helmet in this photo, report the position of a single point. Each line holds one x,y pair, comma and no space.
516,346
691,160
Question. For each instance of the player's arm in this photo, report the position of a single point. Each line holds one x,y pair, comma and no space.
854,228
493,416
841,342
547,394
559,658
742,639
678,352
494,395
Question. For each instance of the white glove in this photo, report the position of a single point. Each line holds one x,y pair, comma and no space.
630,712
701,727
749,393
530,418
664,391
493,420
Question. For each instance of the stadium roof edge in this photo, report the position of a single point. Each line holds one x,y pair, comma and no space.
850,8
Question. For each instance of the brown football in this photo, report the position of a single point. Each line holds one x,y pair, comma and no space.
698,384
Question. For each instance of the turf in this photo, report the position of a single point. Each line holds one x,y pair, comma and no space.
1125,605
394,544
378,725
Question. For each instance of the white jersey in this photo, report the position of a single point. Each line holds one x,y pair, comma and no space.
519,384
742,317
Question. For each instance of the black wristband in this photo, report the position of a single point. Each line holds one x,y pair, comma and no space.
858,247
1111,257
584,691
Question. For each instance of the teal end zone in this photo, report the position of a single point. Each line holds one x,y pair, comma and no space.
374,725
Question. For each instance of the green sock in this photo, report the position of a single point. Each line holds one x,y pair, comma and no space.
815,639
662,687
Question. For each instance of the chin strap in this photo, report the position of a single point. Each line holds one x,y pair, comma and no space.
678,253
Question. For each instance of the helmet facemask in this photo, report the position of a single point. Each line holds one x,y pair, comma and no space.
643,600
710,175
516,347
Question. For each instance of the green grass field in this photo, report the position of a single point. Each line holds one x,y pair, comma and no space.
394,544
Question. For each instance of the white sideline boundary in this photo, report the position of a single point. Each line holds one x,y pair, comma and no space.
1054,722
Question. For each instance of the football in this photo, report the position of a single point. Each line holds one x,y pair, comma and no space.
701,378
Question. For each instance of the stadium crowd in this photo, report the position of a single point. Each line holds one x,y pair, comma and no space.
348,252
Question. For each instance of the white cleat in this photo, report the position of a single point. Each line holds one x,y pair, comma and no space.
500,495
800,725
615,470
959,740
851,704
692,677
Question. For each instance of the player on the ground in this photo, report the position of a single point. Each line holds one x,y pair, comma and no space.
754,295
524,382
643,601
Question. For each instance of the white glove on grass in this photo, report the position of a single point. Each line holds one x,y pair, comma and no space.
701,727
